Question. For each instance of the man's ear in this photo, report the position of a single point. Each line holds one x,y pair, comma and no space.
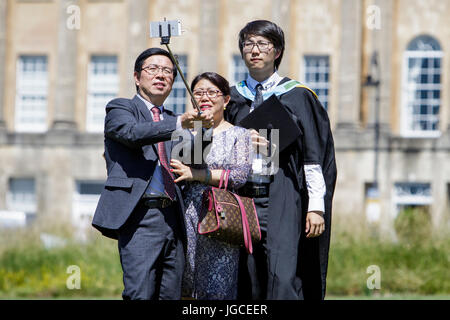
137,76
277,55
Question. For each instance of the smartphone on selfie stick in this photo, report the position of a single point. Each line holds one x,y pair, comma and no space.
165,30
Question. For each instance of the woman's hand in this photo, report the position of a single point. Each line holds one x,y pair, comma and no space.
183,171
259,142
315,224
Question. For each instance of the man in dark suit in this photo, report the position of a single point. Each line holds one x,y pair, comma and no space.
141,206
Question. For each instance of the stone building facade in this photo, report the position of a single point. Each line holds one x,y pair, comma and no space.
60,61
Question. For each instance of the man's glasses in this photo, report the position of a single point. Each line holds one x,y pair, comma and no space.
263,46
211,93
153,69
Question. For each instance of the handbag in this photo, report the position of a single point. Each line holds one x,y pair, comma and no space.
228,217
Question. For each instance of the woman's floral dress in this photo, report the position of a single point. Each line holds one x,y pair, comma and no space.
212,266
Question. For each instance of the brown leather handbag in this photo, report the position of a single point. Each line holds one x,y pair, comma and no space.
228,217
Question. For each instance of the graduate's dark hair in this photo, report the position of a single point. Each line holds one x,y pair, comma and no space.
216,79
267,29
152,52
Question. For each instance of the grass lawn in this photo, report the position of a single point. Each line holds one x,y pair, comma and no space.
408,269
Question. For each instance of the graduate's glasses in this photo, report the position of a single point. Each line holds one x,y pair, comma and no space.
210,93
263,46
153,69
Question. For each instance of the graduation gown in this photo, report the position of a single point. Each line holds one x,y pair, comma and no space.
297,266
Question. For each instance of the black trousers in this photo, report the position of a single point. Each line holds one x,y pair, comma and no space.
253,270
151,254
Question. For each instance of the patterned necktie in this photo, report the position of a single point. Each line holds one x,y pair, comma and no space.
258,96
169,185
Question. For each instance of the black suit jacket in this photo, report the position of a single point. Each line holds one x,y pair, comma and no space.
131,156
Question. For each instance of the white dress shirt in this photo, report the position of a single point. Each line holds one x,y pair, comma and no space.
156,186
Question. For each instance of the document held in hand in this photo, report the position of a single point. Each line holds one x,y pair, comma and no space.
273,115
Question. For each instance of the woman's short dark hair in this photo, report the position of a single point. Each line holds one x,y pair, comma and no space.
266,29
152,52
216,79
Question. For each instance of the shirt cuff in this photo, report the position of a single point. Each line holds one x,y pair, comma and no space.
179,127
316,204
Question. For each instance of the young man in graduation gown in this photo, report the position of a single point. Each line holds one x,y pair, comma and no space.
293,202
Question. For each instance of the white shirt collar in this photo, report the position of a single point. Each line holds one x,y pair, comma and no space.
267,84
149,104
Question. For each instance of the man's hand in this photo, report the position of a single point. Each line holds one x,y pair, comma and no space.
188,118
259,142
315,224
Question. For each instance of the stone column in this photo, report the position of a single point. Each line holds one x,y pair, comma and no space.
281,16
209,35
138,34
3,27
350,65
65,93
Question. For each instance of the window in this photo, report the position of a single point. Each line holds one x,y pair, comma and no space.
422,88
317,76
103,86
22,197
412,195
31,94
85,199
176,101
239,70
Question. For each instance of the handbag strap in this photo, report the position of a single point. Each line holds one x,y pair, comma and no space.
221,179
227,176
245,226
224,176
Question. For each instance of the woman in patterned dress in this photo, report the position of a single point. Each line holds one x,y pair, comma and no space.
211,266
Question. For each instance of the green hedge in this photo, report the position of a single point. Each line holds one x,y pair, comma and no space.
404,268
408,266
34,271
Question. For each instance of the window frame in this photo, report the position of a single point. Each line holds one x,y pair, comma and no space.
411,199
174,103
31,85
237,68
29,207
81,201
406,114
106,84
316,86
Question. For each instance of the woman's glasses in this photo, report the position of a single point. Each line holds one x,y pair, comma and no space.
210,93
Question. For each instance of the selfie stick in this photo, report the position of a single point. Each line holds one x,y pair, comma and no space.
166,40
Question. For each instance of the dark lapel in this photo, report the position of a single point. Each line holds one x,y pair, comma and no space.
150,151
142,108
168,143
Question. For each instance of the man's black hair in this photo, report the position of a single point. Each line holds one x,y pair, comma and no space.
266,29
151,52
